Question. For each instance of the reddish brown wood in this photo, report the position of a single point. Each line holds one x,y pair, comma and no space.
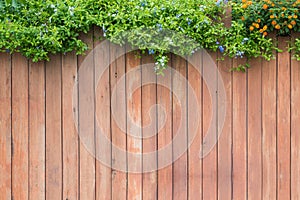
283,121
117,73
53,129
70,134
5,126
86,106
239,139
225,140
269,128
20,127
149,128
134,133
179,127
195,163
210,160
103,149
254,130
164,137
295,137
37,133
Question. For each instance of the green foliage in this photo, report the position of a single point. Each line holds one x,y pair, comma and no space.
42,27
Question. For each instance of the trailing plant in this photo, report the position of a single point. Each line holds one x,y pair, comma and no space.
157,27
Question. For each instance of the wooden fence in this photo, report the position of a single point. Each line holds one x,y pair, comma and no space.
41,156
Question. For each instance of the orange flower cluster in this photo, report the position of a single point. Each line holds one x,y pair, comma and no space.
273,15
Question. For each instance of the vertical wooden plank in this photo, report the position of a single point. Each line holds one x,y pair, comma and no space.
269,128
5,126
164,114
86,122
225,140
210,161
195,163
149,127
103,149
117,72
254,130
283,121
20,127
53,128
37,129
295,136
239,151
70,135
134,141
179,124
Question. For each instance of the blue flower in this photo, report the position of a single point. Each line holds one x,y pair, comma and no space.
178,15
217,42
239,54
189,21
151,51
218,2
221,48
159,26
245,40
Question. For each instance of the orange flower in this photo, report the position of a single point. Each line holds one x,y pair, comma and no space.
251,28
290,17
283,8
249,3
290,26
265,27
243,18
282,15
265,6
272,16
273,4
258,21
293,22
244,1
265,33
261,30
295,16
244,6
273,22
257,25
277,26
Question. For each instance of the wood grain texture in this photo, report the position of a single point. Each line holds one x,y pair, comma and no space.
254,130
283,121
70,134
239,127
20,133
87,168
53,129
117,85
210,173
295,137
164,137
149,125
134,132
5,126
103,116
195,90
180,154
269,78
225,140
37,133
